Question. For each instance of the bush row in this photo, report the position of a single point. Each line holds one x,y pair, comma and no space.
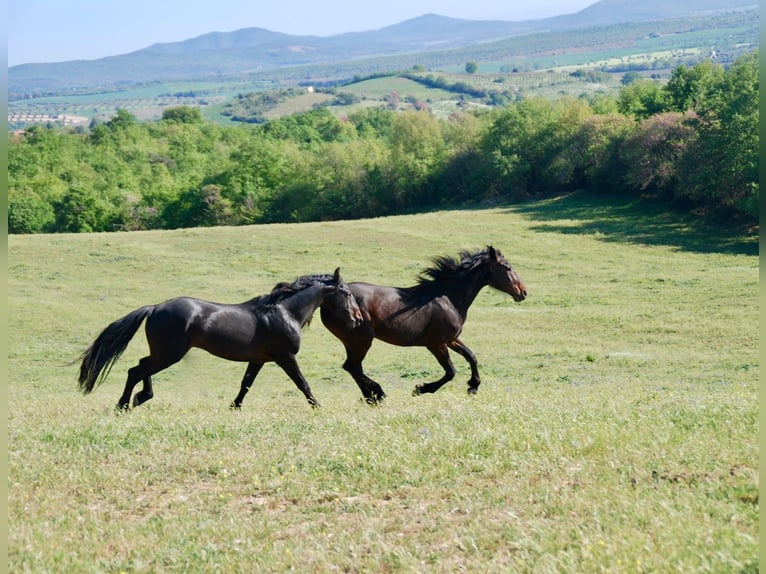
691,142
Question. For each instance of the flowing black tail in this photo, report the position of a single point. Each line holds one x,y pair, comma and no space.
97,360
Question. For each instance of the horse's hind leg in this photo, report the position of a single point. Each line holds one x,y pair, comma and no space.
136,374
442,355
142,372
247,381
145,393
459,347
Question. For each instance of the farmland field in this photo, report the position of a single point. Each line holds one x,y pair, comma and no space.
615,428
541,63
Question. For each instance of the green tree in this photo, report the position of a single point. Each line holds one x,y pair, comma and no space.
642,98
598,145
204,207
518,146
653,151
28,213
124,119
183,115
417,152
461,177
689,87
562,168
471,67
260,170
372,122
630,77
723,168
81,211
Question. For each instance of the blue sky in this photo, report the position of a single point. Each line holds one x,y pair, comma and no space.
56,31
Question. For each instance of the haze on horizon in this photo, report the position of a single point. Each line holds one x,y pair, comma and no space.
47,31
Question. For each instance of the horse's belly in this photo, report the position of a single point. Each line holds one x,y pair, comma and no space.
426,336
402,339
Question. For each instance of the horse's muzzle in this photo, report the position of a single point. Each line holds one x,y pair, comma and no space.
356,320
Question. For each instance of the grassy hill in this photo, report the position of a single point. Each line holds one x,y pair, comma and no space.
615,428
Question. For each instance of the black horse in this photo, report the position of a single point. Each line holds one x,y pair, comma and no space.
430,314
264,329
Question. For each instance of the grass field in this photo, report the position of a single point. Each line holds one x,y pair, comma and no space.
615,429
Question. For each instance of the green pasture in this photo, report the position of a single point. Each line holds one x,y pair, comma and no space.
379,88
299,104
615,429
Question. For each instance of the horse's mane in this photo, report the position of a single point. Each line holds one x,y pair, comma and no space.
446,268
284,289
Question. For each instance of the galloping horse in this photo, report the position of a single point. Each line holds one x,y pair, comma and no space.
264,329
430,314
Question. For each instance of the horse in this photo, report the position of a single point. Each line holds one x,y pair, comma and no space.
429,314
264,329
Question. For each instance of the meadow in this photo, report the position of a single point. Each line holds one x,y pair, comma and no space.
615,429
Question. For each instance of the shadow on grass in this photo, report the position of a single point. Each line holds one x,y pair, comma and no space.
634,221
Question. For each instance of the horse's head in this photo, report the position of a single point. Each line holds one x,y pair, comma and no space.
503,277
342,301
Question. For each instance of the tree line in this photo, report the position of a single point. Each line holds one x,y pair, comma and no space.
691,143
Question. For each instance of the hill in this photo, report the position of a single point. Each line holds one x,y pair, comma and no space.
252,50
616,427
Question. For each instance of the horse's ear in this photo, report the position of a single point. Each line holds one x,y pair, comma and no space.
336,275
492,253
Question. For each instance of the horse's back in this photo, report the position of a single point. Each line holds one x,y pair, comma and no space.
380,294
179,309
189,314
405,316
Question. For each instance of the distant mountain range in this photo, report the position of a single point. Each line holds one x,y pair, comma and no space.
252,50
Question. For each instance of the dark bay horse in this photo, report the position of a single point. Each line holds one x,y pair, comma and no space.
430,314
264,329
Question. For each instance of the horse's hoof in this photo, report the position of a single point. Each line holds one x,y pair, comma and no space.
235,407
141,398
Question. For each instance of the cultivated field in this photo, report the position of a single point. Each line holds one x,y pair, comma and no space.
615,429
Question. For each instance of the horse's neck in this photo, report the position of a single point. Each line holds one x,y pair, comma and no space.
462,293
302,304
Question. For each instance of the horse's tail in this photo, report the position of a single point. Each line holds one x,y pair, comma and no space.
97,360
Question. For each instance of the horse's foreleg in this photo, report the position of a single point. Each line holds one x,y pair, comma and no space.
247,381
442,355
459,347
290,366
357,343
372,391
